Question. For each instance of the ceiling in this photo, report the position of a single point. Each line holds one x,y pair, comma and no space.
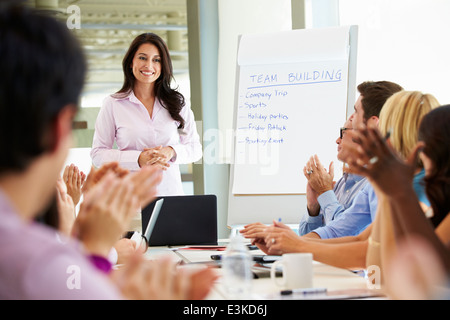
107,27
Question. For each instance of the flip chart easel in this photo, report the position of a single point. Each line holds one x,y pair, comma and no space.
294,90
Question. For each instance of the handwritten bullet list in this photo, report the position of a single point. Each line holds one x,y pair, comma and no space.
259,103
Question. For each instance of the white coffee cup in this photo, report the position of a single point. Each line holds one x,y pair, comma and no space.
297,271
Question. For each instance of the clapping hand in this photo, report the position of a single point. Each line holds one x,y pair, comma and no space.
66,208
74,180
111,197
95,175
318,177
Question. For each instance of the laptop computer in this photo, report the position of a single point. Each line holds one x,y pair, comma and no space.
182,220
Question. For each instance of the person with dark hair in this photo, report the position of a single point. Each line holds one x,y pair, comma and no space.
416,258
38,92
146,118
43,71
372,96
434,132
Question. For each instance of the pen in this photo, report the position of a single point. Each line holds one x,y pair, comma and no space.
304,291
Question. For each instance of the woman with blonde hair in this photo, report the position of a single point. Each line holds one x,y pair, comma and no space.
400,118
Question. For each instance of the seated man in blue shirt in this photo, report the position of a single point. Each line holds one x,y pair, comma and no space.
362,212
325,202
344,240
372,97
363,203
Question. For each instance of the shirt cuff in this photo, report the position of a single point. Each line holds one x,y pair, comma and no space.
101,263
180,153
174,158
321,233
130,160
326,198
314,219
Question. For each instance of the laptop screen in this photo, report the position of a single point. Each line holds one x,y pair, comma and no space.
183,220
153,219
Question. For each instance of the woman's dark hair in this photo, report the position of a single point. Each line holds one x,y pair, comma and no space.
170,99
42,71
435,132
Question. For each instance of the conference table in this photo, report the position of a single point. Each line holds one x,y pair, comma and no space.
339,283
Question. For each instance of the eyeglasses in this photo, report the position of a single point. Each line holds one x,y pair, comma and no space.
341,131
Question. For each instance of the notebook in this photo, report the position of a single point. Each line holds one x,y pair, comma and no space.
182,220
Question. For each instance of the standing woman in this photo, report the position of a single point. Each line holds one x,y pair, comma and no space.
147,119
